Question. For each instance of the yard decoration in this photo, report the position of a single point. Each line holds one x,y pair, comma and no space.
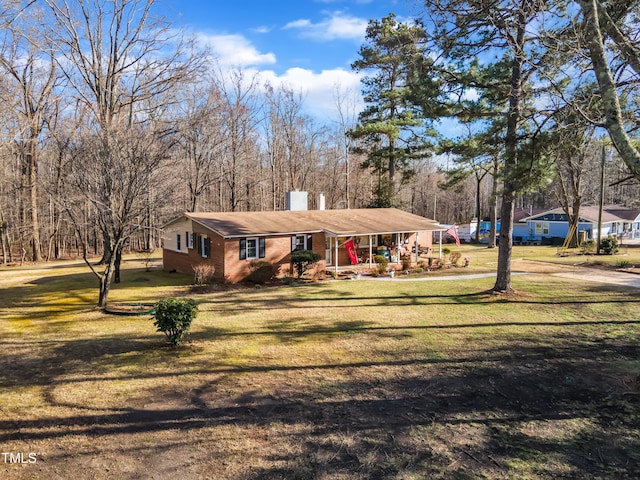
173,317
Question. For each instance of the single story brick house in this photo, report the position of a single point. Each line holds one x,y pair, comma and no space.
231,240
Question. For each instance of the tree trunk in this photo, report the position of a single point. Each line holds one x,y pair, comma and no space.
505,247
610,102
478,185
105,285
494,205
31,160
116,264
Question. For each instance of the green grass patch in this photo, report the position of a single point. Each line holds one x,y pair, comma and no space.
343,379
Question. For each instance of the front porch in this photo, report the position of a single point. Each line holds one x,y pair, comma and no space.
395,246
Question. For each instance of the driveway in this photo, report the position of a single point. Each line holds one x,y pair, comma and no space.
579,273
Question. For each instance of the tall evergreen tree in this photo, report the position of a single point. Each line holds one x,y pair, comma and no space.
472,39
390,129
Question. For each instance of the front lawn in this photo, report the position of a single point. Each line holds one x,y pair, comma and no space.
349,380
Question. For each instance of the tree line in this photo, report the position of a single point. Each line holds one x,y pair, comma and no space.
115,122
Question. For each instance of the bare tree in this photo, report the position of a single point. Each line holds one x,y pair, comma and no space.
115,170
201,138
574,154
121,62
241,113
29,63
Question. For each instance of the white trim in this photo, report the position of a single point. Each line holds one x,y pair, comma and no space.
257,247
304,242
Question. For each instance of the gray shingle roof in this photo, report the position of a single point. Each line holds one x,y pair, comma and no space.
362,221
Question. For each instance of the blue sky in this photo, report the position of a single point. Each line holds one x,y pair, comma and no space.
308,45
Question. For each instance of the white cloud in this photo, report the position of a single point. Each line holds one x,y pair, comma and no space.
236,50
262,29
338,26
318,89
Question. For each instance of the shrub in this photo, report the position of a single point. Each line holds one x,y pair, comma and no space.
588,246
147,257
455,257
302,260
261,271
382,263
203,273
609,245
406,262
173,317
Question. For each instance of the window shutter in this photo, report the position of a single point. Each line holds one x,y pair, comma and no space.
207,247
186,240
261,247
309,242
243,248
199,246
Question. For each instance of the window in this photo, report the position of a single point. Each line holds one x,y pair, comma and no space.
178,242
189,238
364,241
252,248
542,228
204,246
301,242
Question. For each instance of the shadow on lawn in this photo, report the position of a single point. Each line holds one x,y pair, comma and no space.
549,407
235,303
283,331
59,294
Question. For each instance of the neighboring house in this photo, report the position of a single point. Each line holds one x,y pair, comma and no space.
552,226
231,240
518,215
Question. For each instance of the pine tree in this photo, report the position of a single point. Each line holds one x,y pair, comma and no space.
391,128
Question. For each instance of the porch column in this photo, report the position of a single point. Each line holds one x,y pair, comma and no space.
417,245
370,251
336,254
440,252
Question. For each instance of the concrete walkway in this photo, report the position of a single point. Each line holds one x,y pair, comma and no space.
462,276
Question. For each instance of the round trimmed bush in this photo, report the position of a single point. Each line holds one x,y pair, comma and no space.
173,317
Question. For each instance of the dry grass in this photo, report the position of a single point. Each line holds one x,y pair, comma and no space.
340,380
